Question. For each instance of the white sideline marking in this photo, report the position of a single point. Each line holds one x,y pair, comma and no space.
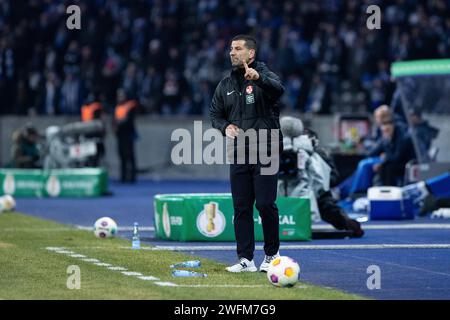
166,284
107,265
102,264
64,252
126,228
53,248
232,286
113,268
140,276
408,226
305,247
132,273
148,278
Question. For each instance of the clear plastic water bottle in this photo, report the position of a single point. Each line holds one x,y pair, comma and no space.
136,241
186,273
187,264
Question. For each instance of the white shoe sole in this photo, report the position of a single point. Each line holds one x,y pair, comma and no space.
243,270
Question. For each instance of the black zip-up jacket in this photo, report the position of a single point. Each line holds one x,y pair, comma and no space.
247,104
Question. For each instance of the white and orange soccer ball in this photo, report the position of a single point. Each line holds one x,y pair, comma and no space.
105,228
283,272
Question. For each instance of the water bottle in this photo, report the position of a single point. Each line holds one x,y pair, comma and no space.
136,242
186,273
187,264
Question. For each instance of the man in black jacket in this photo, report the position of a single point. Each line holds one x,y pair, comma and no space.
395,150
245,101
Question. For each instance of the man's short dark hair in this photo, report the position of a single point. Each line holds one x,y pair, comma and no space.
250,42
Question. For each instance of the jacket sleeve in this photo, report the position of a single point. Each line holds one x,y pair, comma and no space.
217,111
404,150
377,150
270,83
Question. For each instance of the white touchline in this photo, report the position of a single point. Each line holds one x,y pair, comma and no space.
102,264
303,247
117,268
138,275
64,252
148,278
407,226
232,286
90,260
126,228
166,284
132,273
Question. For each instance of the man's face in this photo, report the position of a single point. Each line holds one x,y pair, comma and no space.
387,131
239,52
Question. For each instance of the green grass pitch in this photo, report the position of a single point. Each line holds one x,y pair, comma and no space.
30,271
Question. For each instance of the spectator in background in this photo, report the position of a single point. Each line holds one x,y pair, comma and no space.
319,98
150,91
7,75
131,81
71,95
297,37
50,95
25,151
126,134
423,132
395,150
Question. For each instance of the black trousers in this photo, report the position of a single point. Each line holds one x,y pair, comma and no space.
248,186
391,172
333,214
127,159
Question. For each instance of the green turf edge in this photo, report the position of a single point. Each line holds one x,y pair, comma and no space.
29,271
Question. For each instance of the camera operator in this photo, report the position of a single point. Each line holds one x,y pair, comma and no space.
311,175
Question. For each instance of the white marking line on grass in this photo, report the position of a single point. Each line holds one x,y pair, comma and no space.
113,268
109,266
132,273
148,278
65,252
53,248
126,228
407,226
140,276
305,247
231,286
166,284
102,264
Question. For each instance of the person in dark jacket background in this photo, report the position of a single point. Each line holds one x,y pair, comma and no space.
395,150
125,130
25,150
423,132
249,99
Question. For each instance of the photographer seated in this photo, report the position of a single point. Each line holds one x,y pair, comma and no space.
395,150
307,171
25,151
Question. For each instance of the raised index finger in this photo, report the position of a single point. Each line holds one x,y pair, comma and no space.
245,65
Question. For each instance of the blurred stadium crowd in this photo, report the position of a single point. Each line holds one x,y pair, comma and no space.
170,54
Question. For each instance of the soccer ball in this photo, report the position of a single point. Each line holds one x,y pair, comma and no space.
283,272
105,228
7,203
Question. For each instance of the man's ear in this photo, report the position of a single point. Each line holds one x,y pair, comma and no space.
251,54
